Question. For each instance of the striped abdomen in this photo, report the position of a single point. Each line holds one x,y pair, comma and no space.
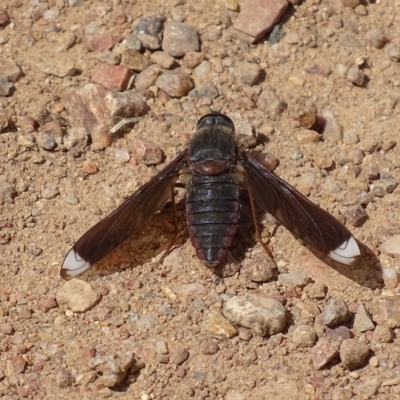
212,212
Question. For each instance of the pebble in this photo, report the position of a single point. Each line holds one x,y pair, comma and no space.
47,304
382,187
147,77
270,102
362,320
75,3
50,191
339,333
45,141
135,60
133,43
351,3
386,311
207,90
112,369
209,348
10,69
264,316
376,37
261,269
393,51
293,279
248,73
356,216
179,39
383,334
63,378
255,20
4,17
178,357
391,246
175,83
189,289
111,76
356,76
147,322
162,59
6,88
335,312
390,277
77,295
304,336
71,199
146,151
216,325
103,42
149,31
322,353
353,353
192,59
305,312
202,71
353,196
350,137
76,137
121,156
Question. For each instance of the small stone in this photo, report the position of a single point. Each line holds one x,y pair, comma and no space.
206,90
45,141
162,59
147,321
192,59
47,304
202,71
63,378
71,199
76,138
393,51
189,289
305,312
7,328
322,353
293,279
335,312
51,191
383,186
305,136
269,102
356,76
354,196
383,334
269,160
133,43
338,333
304,336
38,11
103,42
351,3
121,156
209,348
248,73
353,353
258,17
175,83
147,77
264,316
7,193
90,168
77,295
4,17
146,152
19,364
111,76
356,216
376,37
216,325
6,88
112,369
149,30
261,269
386,311
350,137
180,356
362,320
390,277
53,129
10,70
179,39
135,60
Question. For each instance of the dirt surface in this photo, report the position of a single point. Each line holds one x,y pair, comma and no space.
158,312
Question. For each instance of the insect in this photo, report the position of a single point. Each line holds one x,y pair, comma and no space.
214,168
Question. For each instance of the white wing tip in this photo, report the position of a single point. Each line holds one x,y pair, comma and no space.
73,265
347,253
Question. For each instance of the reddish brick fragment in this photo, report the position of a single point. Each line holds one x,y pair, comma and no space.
103,42
258,17
111,76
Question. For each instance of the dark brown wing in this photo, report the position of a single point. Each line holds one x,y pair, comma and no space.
299,215
111,231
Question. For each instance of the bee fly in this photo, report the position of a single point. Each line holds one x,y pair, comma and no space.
214,169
